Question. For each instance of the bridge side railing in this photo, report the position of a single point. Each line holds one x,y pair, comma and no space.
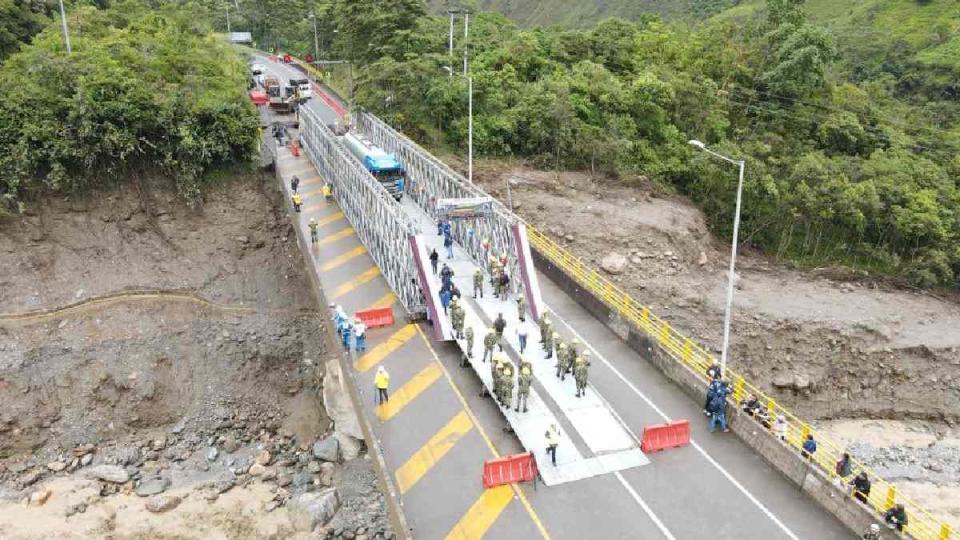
883,494
375,216
429,179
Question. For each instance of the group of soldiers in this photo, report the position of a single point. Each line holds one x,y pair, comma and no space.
499,278
570,361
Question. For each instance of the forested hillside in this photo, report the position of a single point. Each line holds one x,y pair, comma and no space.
146,90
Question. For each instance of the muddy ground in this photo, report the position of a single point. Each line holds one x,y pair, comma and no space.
833,345
140,414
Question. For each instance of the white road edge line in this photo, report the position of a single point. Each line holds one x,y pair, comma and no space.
653,517
693,443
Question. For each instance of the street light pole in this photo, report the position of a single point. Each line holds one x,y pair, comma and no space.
466,33
228,16
63,24
470,129
316,40
731,275
450,48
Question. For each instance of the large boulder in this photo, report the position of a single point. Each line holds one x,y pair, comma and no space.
327,449
153,485
162,503
337,402
314,509
109,473
614,263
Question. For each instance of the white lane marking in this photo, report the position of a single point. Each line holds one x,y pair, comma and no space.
653,517
693,443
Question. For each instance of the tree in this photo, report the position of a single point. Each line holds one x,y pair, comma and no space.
20,20
800,60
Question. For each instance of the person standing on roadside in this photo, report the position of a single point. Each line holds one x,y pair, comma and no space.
382,383
499,324
297,202
294,183
552,437
360,335
477,283
434,260
809,447
313,230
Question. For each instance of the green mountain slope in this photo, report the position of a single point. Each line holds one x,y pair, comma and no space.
584,13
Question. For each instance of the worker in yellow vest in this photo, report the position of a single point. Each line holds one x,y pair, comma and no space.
382,382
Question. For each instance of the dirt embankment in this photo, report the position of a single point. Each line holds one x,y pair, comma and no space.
832,345
212,394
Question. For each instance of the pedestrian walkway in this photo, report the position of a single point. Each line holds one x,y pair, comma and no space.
593,440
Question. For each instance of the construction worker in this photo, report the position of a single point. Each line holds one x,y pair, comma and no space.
580,369
524,380
506,383
382,382
327,191
873,533
294,183
313,230
297,202
548,344
469,335
564,359
489,341
338,316
360,335
478,283
521,308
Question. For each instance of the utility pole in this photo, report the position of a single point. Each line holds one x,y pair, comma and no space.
316,40
470,131
228,17
450,48
63,24
466,33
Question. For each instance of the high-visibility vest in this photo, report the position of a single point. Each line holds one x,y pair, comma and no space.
382,380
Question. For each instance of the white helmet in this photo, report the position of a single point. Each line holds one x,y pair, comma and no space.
874,528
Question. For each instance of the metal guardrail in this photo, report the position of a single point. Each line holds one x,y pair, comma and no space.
430,179
883,494
376,217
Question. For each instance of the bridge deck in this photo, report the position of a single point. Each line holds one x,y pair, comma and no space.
438,431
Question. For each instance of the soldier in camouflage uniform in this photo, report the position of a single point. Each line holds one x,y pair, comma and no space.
457,316
580,369
573,353
469,335
495,371
478,283
546,327
506,383
562,353
521,308
524,380
548,344
489,342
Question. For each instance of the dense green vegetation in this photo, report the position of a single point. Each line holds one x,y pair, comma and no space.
850,136
585,13
145,91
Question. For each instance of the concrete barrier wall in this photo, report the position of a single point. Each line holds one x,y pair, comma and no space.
794,467
398,520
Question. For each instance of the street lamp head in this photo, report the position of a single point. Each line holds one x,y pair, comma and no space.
698,144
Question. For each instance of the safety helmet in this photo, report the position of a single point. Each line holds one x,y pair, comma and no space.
874,528
585,354
454,299
555,336
563,346
575,341
313,220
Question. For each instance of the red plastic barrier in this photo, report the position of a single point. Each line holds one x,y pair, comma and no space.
259,98
661,436
509,469
376,317
295,149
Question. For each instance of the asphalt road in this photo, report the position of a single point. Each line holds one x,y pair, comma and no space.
715,488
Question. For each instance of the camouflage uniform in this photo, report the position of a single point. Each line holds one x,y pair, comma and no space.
495,371
564,360
469,335
521,308
506,384
573,353
478,283
489,342
524,381
457,316
580,369
548,344
546,328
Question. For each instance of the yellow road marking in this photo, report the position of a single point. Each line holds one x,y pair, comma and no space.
339,235
352,284
342,258
332,218
310,180
481,516
493,450
311,193
382,350
386,300
408,392
431,453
